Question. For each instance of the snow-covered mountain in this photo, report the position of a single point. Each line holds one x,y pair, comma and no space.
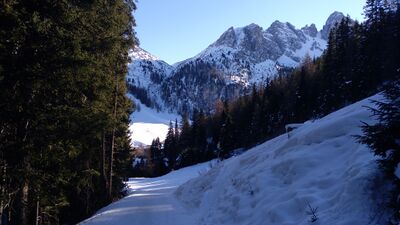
145,76
227,68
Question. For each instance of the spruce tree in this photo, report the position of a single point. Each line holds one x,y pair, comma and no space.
185,141
383,137
170,145
227,138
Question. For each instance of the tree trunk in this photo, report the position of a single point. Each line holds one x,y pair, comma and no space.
113,137
111,163
104,159
24,204
3,189
37,212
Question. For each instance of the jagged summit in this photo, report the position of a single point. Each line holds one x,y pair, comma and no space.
310,30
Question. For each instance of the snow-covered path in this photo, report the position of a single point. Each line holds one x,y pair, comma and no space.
151,201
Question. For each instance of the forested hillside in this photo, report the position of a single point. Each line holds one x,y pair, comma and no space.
63,109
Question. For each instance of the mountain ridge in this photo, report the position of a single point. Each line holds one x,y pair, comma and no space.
240,58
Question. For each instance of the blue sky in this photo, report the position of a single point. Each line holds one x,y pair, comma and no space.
175,30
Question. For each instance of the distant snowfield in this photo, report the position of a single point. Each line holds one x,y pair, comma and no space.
147,124
321,164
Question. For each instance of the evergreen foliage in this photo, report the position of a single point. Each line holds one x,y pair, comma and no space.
384,139
170,145
63,110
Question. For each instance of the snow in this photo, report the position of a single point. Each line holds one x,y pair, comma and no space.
397,172
150,201
148,124
287,61
138,161
240,35
262,71
145,133
140,54
321,164
293,126
314,47
147,72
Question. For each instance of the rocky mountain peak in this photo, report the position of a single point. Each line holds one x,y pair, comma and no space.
285,35
310,30
278,25
228,38
253,28
234,37
252,37
334,18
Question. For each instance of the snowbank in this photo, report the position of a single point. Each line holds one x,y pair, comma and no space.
320,164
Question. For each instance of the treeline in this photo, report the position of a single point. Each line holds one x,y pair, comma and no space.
359,60
63,109
185,144
142,96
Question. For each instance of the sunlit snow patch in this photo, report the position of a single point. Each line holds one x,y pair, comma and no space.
148,124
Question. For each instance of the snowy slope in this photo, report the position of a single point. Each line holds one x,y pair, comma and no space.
148,124
147,72
320,164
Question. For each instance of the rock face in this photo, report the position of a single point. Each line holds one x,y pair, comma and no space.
330,23
226,69
310,30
